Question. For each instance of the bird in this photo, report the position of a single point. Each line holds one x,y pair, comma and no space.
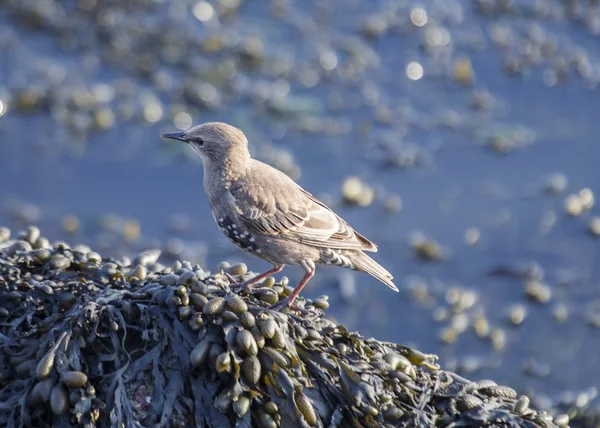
267,214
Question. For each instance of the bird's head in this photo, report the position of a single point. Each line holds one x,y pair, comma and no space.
218,144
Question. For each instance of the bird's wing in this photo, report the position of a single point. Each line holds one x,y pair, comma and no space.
270,203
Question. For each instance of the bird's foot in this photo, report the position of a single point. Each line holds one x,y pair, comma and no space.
265,294
239,286
251,288
232,281
288,303
245,286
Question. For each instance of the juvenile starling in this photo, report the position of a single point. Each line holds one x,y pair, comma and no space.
264,212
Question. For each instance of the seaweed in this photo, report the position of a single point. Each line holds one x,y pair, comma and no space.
85,343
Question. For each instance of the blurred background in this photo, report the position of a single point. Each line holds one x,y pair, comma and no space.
461,136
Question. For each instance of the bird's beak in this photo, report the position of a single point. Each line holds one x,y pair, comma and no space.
176,136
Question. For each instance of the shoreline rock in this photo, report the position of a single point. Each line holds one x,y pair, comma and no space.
92,341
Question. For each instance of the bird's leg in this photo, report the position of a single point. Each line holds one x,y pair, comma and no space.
247,285
289,300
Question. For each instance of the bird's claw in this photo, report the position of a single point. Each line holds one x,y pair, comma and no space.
238,286
248,286
286,304
262,291
232,281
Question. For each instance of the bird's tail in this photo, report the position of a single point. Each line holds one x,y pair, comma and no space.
364,263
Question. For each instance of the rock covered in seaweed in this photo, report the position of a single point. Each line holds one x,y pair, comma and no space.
90,341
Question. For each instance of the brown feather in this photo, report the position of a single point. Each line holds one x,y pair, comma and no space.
290,212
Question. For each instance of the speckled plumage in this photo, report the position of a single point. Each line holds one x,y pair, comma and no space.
266,213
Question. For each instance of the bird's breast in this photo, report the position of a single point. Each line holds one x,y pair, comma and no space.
237,234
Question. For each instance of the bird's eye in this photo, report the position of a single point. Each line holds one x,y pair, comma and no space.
200,141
